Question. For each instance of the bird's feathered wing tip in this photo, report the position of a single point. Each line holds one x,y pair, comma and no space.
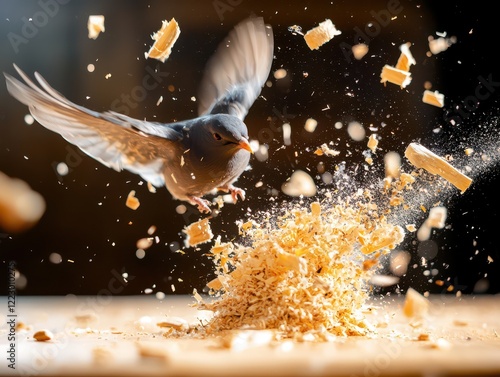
236,73
110,138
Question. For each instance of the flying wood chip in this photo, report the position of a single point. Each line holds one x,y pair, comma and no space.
395,76
198,232
400,74
321,34
406,58
164,40
423,158
95,26
433,98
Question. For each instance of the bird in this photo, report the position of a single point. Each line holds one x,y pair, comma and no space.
192,157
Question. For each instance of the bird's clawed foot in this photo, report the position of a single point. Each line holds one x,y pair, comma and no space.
235,192
202,204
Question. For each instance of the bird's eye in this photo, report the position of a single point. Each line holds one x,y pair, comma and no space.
217,136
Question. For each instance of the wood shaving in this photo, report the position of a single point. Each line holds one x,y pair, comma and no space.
400,74
406,58
415,306
310,125
214,284
397,187
433,98
372,143
437,217
197,296
144,243
300,183
20,206
411,227
176,323
21,326
392,165
441,344
198,233
384,280
423,158
295,29
324,149
359,50
164,40
438,45
132,202
43,336
395,76
469,151
95,26
151,188
423,337
321,34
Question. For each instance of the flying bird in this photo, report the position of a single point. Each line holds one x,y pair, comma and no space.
191,157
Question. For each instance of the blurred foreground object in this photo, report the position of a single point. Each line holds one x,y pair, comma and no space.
20,206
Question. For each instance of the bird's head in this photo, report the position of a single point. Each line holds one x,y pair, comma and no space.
219,133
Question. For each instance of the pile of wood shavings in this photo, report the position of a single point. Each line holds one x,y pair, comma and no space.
305,276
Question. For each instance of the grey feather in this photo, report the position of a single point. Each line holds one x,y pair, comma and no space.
236,73
108,138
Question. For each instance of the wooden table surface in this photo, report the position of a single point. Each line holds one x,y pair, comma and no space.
108,342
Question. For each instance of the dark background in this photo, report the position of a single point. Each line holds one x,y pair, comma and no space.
86,220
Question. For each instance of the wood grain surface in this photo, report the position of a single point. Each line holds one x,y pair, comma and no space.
119,336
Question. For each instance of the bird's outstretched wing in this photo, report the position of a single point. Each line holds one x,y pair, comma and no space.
115,140
239,68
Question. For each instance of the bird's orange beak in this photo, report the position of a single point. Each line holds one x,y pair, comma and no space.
244,144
